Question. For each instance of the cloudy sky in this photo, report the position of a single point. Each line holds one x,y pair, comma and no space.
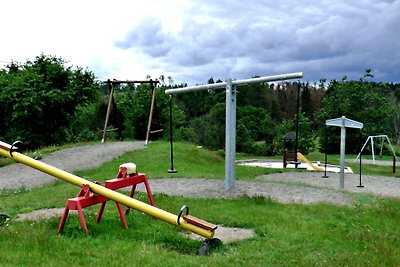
193,40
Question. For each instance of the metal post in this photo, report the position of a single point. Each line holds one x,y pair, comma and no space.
342,155
394,163
326,156
373,152
230,138
360,185
297,125
172,170
326,160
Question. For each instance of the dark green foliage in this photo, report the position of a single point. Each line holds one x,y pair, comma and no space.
286,95
134,104
254,124
306,102
43,102
256,95
38,100
210,128
260,108
363,101
306,142
87,122
185,134
199,103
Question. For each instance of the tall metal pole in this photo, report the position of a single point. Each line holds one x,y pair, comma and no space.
297,124
230,137
172,170
342,154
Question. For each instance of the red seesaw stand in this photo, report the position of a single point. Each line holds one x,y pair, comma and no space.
127,176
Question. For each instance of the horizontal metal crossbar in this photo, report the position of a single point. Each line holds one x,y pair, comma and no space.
129,81
214,86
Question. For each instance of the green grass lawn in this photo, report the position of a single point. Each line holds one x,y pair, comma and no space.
366,234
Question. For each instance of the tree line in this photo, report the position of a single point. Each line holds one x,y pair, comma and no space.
46,102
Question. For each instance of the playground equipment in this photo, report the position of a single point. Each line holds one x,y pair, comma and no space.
127,176
192,224
230,120
382,139
111,105
309,163
293,157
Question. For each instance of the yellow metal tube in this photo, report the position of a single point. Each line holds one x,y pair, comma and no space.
101,190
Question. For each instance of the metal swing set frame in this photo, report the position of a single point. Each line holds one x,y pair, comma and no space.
382,137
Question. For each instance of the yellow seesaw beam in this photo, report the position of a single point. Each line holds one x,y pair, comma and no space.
101,190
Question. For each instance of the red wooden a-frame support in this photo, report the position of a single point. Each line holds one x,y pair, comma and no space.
122,180
85,198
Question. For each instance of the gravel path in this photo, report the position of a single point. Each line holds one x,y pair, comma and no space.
18,175
289,187
377,185
283,193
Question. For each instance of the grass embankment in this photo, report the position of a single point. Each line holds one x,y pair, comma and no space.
366,234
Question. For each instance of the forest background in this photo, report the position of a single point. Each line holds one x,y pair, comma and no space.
48,102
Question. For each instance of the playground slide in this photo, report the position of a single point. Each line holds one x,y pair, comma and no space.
9,151
303,158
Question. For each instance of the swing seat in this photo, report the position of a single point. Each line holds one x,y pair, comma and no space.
156,131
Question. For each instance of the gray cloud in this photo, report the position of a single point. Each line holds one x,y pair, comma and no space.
149,37
324,39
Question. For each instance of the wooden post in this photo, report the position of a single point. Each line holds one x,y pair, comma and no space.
110,100
153,99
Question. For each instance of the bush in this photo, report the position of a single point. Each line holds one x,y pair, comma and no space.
186,134
86,124
39,99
